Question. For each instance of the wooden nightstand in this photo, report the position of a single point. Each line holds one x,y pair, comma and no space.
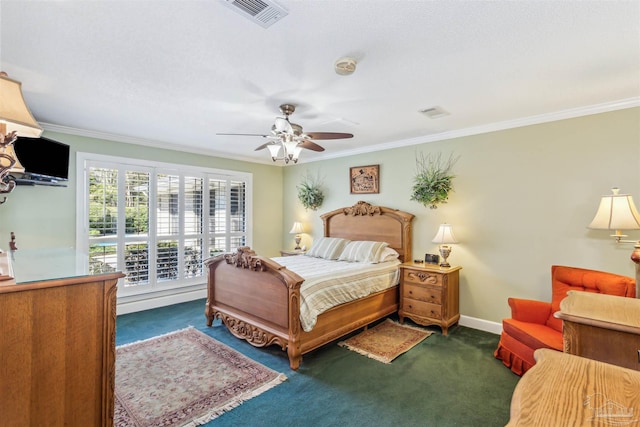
291,253
429,294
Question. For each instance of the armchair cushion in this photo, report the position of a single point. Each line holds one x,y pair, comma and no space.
529,310
533,335
532,324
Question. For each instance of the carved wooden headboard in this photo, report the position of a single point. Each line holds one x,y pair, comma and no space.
364,221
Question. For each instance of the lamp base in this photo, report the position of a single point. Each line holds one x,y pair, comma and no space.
298,238
445,251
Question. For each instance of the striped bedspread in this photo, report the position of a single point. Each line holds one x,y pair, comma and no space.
331,283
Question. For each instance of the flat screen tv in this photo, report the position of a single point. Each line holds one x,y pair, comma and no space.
46,162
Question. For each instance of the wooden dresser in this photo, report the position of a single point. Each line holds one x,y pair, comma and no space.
57,342
429,295
602,327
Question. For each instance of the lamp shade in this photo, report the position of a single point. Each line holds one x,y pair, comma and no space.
616,212
14,113
445,235
297,228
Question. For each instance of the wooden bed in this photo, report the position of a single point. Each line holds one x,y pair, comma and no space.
259,300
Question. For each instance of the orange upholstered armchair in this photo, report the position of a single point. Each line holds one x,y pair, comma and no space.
532,324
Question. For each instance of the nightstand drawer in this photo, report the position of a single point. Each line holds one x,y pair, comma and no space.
423,293
421,308
422,277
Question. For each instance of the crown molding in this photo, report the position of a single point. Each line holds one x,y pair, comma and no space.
145,142
494,127
476,130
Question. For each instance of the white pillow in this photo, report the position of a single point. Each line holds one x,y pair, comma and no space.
327,247
389,254
363,251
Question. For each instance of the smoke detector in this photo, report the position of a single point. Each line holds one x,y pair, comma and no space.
345,66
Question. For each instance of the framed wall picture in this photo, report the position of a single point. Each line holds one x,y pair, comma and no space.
364,179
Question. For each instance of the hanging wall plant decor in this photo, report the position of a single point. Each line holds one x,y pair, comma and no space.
309,192
433,180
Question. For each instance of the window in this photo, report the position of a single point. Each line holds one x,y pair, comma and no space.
150,220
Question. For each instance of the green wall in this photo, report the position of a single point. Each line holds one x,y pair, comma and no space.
45,217
522,201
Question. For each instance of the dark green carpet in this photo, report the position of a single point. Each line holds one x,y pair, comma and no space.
443,381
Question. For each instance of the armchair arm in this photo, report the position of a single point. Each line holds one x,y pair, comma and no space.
528,310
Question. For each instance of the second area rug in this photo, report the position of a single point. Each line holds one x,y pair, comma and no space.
386,341
184,378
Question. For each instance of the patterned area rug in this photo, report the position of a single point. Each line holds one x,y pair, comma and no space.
184,378
386,341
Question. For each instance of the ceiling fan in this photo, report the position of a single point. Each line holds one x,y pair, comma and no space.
290,138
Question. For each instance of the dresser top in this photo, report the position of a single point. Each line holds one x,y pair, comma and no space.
52,264
587,307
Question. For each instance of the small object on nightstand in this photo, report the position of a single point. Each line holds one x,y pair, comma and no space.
432,258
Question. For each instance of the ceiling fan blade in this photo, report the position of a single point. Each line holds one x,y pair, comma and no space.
244,134
328,135
310,145
263,146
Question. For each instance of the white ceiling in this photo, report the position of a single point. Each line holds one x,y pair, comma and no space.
174,73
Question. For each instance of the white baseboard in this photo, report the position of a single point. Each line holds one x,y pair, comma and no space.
481,324
159,301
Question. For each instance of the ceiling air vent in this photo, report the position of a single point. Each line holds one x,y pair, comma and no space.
434,112
263,12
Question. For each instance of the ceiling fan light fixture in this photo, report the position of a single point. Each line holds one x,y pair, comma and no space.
296,153
345,66
274,149
287,140
289,148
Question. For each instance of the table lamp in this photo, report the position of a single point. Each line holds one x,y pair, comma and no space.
443,237
297,229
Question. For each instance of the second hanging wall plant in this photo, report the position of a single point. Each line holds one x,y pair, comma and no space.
433,180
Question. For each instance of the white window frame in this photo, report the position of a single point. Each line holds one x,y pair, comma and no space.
86,160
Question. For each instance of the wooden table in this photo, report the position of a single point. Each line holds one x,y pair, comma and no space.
566,390
602,327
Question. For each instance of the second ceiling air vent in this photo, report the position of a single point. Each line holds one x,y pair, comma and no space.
263,12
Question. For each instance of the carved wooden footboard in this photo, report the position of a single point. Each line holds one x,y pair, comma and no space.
259,300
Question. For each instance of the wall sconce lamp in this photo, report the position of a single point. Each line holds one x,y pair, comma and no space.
297,229
443,237
15,120
618,212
